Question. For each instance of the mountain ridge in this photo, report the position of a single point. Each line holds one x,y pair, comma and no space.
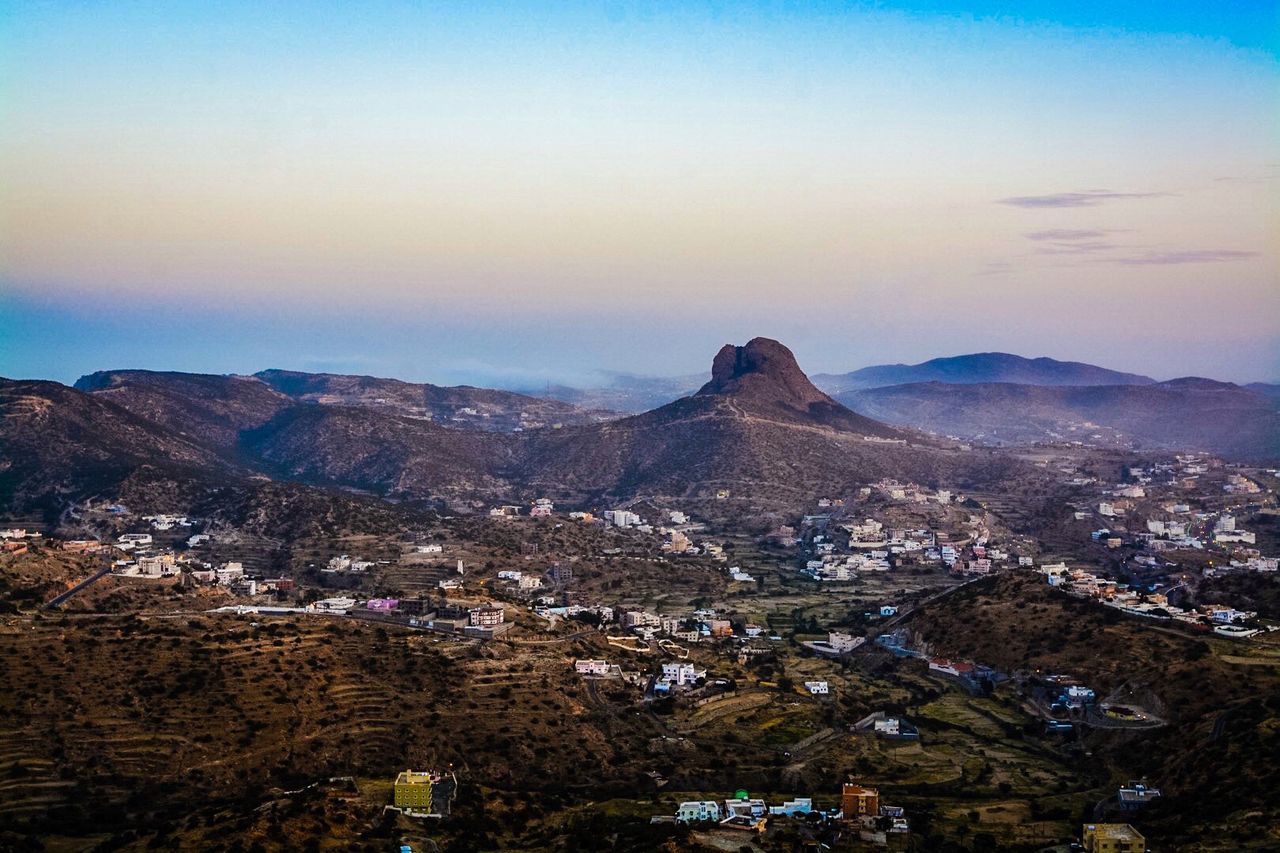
979,368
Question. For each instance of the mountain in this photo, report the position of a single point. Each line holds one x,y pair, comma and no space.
758,428
1187,413
59,443
207,408
460,406
381,452
1270,390
984,367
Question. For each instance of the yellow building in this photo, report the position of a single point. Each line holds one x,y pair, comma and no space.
1113,838
413,791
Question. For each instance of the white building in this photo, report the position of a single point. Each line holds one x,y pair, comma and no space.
591,667
698,810
817,688
889,726
134,540
791,808
681,674
843,642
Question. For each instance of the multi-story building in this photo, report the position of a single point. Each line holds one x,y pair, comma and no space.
487,616
856,800
1113,838
698,810
682,674
413,790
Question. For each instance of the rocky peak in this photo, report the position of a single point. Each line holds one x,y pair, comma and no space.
763,372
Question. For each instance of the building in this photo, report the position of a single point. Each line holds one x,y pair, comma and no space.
698,810
1135,795
855,801
159,566
413,790
591,667
718,628
487,615
745,807
793,808
682,674
949,667
1113,838
817,688
842,641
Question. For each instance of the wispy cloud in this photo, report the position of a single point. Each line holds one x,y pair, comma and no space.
1189,256
1087,198
1072,241
995,268
1077,248
1057,235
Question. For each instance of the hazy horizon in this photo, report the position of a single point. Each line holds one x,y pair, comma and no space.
505,193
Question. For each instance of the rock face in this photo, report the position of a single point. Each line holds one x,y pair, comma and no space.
763,372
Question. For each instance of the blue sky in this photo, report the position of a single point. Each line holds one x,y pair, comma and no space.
515,193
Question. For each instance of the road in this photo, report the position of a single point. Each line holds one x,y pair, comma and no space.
903,614
93,578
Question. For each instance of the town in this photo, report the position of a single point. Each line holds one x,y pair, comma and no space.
796,643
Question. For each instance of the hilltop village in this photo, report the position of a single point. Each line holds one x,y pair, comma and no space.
801,651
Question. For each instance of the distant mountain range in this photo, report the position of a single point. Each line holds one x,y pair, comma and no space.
758,429
1188,414
982,367
626,392
248,401
1007,399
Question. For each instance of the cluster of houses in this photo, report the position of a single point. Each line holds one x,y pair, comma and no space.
1082,582
671,676
15,540
842,551
860,807
907,493
346,563
701,624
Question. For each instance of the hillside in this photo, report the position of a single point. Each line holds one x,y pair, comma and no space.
984,367
57,443
207,408
1180,414
383,452
461,406
758,427
1212,760
1270,390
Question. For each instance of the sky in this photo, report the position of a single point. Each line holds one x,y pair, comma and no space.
516,194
